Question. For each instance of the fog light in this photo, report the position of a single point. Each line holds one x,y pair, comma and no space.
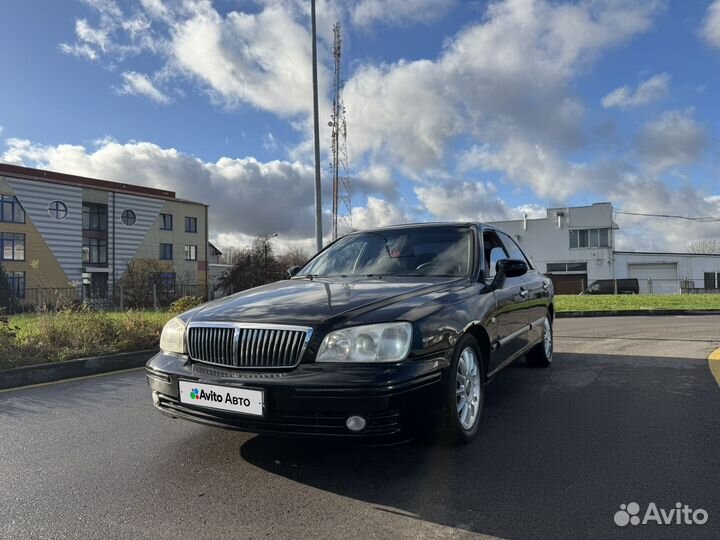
156,397
356,423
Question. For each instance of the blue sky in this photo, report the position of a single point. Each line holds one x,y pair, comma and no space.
456,109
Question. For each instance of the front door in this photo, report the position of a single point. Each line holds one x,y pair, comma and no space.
537,285
512,303
97,289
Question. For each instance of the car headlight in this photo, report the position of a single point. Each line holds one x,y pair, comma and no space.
387,342
172,338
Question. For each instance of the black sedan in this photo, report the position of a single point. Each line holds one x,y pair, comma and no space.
384,333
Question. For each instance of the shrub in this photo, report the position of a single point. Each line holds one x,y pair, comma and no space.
5,293
136,331
183,304
54,337
9,351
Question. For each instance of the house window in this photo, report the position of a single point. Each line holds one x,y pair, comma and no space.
567,267
10,210
589,238
12,247
128,217
191,253
57,210
95,251
710,282
17,284
95,217
166,222
190,224
166,252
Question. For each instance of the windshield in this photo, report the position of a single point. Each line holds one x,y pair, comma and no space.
432,251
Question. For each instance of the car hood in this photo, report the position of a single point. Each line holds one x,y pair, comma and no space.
313,301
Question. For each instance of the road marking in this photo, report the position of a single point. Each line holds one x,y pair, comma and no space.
51,383
714,364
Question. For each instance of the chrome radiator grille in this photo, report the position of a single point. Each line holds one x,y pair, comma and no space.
248,346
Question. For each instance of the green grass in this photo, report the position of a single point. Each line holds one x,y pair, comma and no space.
55,337
621,302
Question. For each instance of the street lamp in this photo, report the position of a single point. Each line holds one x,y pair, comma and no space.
318,202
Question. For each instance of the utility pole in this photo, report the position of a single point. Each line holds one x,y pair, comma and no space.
318,186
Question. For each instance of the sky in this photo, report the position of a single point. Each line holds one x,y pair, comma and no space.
456,110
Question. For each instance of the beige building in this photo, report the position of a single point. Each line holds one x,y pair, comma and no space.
60,231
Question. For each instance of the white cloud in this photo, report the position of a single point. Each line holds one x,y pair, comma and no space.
675,139
262,59
269,142
648,91
247,197
644,194
365,13
540,168
139,84
710,29
463,201
242,193
116,35
377,213
471,201
503,78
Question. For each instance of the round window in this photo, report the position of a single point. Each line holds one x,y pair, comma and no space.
58,210
128,217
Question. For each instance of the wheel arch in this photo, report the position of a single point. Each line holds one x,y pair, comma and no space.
551,311
481,336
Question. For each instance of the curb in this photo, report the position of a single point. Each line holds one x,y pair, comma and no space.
714,364
81,367
635,313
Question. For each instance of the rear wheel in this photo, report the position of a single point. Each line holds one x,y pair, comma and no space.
465,392
541,354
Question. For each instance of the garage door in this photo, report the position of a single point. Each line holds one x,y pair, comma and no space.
568,283
655,278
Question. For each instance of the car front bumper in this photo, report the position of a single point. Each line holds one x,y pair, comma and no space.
314,399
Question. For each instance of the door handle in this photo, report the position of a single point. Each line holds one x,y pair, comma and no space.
523,292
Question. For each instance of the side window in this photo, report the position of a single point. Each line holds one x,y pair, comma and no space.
493,251
513,249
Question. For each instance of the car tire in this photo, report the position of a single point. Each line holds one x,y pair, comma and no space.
541,355
465,392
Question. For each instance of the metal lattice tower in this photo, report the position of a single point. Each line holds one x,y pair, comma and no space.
342,199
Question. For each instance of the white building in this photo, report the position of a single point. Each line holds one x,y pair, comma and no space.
575,246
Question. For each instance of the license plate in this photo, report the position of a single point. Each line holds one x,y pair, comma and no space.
224,398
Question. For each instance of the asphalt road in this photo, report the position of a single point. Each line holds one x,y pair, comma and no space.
629,412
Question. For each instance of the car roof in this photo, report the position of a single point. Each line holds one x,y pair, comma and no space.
430,224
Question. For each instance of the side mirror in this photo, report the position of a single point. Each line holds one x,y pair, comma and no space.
293,270
506,268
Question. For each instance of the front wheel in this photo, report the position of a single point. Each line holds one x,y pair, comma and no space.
541,354
465,392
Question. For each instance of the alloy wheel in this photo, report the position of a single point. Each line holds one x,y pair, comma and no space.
468,388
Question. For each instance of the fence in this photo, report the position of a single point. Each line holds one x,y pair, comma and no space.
675,286
54,299
44,299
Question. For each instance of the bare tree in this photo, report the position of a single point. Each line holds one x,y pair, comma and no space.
254,266
705,246
294,256
230,254
138,281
